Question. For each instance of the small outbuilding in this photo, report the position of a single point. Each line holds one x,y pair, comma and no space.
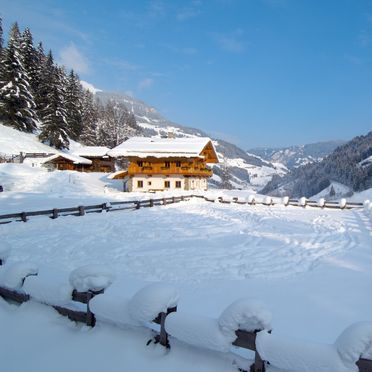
98,155
64,161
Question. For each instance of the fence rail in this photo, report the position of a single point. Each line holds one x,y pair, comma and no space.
244,339
137,204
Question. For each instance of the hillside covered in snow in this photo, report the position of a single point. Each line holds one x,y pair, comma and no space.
348,165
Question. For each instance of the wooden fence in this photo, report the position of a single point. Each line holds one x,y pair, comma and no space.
244,339
137,204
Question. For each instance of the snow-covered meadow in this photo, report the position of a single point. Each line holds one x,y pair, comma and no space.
309,266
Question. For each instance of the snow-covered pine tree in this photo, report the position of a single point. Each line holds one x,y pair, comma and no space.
1,34
29,58
90,110
17,105
1,46
54,127
41,79
74,98
225,176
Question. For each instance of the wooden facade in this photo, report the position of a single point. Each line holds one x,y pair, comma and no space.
104,164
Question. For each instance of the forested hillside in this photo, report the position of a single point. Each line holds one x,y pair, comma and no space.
350,165
39,96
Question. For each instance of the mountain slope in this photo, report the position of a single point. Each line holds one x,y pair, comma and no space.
348,165
296,156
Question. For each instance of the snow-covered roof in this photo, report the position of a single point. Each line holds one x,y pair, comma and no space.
91,151
143,147
74,158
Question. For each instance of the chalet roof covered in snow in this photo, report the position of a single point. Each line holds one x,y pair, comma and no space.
74,158
92,151
143,147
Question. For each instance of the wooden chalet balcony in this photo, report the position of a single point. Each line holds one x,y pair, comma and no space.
160,169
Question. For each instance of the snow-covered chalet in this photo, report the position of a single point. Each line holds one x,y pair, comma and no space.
159,164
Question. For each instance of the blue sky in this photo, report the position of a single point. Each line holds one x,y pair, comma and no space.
255,72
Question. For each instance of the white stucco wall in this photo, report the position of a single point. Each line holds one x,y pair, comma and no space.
157,182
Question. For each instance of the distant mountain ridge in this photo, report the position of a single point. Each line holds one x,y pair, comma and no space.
349,164
296,156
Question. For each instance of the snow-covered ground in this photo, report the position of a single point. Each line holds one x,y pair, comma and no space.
310,267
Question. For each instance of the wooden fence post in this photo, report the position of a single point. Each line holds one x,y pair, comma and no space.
55,213
81,210
151,202
138,204
173,199
182,198
91,320
23,217
164,201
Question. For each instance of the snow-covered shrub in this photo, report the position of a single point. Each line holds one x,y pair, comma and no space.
342,203
197,330
321,202
244,314
5,249
151,300
14,274
268,200
295,355
355,341
251,199
91,278
303,201
285,200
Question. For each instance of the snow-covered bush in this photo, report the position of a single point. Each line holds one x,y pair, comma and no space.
244,314
151,300
321,202
285,200
342,203
5,249
14,274
91,278
268,200
303,201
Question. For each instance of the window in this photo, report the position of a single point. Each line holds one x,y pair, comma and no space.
167,184
139,184
178,184
140,163
178,163
149,183
167,164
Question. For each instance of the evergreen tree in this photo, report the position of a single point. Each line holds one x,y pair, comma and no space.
332,192
29,58
1,47
17,105
225,176
90,110
74,98
1,34
116,124
40,78
54,128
